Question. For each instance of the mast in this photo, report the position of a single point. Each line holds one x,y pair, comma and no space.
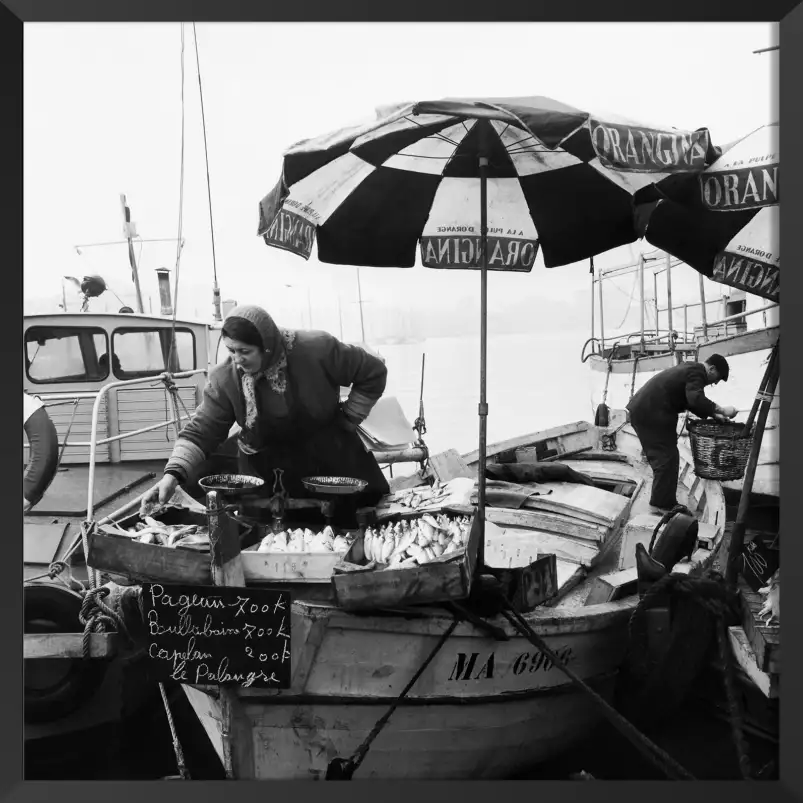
669,301
641,283
129,233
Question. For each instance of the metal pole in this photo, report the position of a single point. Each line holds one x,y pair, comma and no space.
483,406
685,321
702,306
641,285
655,296
601,317
359,296
593,302
340,317
669,302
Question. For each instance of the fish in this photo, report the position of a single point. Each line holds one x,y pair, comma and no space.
265,543
772,604
367,544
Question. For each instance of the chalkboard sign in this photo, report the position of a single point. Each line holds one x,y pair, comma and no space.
219,635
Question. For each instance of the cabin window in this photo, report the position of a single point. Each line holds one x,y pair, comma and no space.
138,352
66,354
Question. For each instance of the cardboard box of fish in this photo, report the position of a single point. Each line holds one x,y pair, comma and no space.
409,561
304,540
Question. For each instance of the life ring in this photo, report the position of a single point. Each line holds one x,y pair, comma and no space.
43,459
56,687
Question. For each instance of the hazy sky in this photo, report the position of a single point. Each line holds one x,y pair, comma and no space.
103,117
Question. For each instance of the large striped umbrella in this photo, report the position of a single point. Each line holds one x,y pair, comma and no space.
727,225
480,183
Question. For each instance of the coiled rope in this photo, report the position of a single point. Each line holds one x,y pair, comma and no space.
658,684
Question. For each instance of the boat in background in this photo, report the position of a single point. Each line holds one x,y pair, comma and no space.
743,330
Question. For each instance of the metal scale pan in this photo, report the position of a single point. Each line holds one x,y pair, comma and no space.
334,486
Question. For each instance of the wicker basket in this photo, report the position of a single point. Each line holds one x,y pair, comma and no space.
720,449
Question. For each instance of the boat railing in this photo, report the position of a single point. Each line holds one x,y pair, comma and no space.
675,337
165,377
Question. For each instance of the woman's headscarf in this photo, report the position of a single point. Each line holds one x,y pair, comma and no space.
276,343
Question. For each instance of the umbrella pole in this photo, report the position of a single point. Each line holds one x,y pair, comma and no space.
483,406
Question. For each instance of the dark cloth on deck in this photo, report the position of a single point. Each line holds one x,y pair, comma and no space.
535,472
654,411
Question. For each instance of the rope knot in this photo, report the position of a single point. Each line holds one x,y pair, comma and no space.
97,617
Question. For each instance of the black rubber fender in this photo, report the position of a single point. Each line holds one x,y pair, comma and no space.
44,455
676,540
601,416
50,608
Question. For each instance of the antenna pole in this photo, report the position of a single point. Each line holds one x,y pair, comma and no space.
127,230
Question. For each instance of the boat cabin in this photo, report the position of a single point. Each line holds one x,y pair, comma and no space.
69,357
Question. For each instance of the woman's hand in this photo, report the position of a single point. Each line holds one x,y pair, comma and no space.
161,494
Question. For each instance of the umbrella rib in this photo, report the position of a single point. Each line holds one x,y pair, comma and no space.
436,135
529,150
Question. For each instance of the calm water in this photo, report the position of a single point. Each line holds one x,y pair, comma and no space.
533,382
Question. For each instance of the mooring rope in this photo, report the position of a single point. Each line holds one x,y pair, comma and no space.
343,769
659,757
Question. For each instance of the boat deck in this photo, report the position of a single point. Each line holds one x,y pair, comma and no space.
53,525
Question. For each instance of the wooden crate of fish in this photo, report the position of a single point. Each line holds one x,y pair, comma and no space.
416,561
135,547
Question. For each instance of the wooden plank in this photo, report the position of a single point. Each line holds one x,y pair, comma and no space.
754,340
68,645
40,541
579,501
448,465
767,683
514,546
528,440
547,522
612,586
227,570
599,469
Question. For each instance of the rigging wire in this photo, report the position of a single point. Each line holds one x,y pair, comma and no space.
206,152
179,239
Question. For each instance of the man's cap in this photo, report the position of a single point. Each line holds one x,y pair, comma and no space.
721,364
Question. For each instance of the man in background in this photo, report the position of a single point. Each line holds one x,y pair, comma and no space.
654,414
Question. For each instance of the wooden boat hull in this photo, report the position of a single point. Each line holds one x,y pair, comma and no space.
482,709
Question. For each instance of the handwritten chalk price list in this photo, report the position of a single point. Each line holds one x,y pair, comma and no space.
218,635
